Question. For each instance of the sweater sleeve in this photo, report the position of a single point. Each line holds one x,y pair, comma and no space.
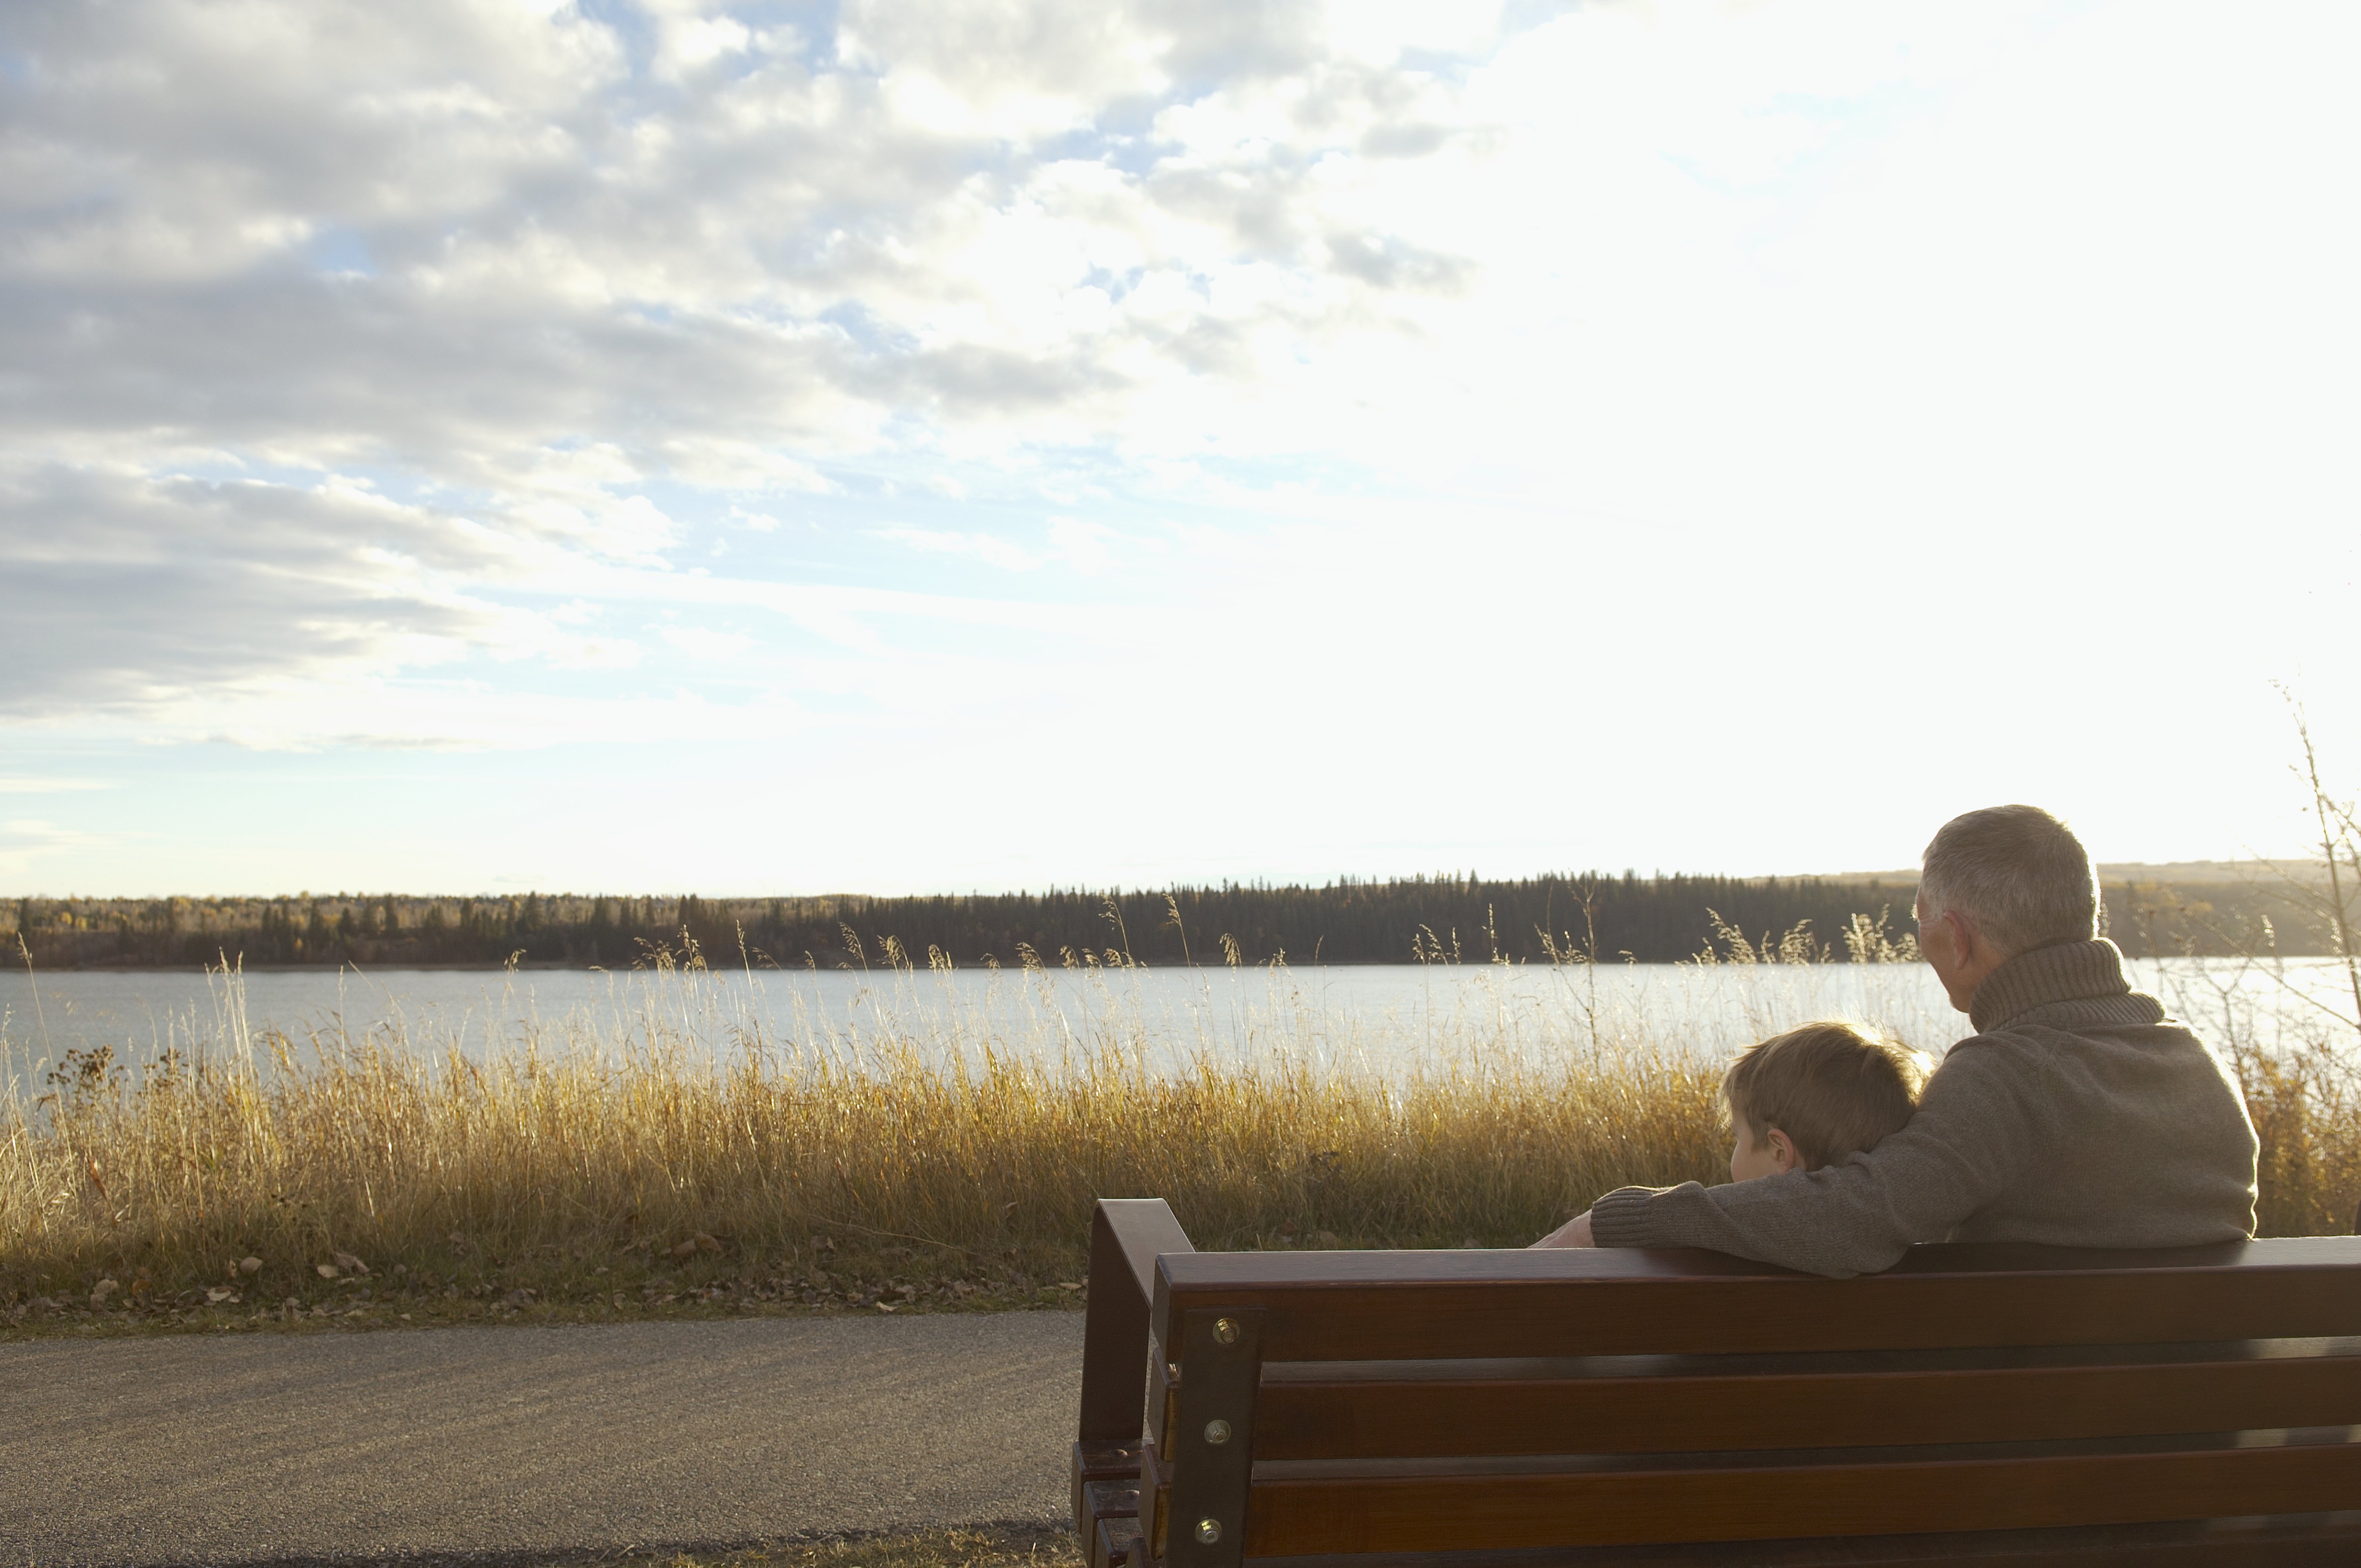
1970,1138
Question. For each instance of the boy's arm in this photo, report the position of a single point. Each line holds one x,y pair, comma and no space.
1971,1139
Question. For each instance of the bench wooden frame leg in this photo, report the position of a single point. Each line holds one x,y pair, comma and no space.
1212,1462
1126,1236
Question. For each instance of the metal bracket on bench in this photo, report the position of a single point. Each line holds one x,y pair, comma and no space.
1212,1446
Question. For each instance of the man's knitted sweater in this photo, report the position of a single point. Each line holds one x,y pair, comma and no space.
2077,1115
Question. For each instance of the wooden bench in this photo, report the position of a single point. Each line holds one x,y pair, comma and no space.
2014,1405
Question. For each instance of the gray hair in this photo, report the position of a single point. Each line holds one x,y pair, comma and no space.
2017,873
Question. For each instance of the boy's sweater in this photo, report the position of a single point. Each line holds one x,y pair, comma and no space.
2077,1115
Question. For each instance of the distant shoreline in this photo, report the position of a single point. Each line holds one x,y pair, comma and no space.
2201,907
556,966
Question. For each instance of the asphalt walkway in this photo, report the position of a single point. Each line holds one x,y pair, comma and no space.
500,1442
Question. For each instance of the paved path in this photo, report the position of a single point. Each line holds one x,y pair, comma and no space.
260,1447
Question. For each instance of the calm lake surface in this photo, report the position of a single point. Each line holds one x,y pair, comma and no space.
1387,1018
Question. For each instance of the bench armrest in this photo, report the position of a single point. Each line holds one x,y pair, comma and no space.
1127,1235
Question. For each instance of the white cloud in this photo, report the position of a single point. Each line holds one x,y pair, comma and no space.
591,652
1081,543
688,43
1459,339
987,548
702,642
130,595
27,842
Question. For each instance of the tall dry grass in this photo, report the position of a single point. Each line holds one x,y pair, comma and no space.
575,1162
2298,1057
583,1161
384,1155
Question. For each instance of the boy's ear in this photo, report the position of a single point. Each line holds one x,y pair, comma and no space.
1784,1157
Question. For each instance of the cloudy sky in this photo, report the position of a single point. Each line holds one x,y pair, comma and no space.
932,445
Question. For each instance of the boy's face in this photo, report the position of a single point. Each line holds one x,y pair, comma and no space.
1773,1156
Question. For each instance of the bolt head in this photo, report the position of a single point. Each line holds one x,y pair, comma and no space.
1217,1433
1225,1330
1208,1531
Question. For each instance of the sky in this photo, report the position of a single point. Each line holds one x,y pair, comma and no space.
906,445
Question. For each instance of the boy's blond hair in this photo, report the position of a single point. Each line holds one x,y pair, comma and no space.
1832,1087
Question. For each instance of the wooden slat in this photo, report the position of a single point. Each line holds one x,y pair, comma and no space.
1155,1500
1126,1236
1436,1513
1163,1399
1652,1415
1099,1460
1383,1306
1114,1544
2310,1541
1110,1502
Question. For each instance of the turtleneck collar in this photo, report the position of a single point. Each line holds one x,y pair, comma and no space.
2063,972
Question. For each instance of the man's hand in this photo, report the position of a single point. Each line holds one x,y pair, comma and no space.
1574,1232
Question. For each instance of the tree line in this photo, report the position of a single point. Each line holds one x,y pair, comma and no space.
1445,919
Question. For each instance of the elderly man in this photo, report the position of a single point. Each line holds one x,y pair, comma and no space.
2078,1114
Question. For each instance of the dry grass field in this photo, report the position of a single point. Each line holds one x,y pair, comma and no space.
257,1181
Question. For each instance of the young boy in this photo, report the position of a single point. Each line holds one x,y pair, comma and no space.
1813,1095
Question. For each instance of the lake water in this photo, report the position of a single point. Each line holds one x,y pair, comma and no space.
1387,1018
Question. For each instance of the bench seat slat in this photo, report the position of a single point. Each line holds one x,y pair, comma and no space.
1436,1513
1503,1465
1571,1368
2309,1540
1301,1420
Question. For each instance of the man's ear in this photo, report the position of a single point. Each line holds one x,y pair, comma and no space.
1784,1157
1964,937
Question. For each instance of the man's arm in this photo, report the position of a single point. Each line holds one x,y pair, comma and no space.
1970,1140
1574,1232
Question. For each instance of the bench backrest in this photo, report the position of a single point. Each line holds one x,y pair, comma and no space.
1337,1403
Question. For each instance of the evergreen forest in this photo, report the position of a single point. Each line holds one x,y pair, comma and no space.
1447,918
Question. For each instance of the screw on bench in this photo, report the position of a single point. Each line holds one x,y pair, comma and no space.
1209,1530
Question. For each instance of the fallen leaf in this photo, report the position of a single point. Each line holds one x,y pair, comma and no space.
1068,1285
347,1262
219,1294
327,1270
250,1265
685,1249
102,1291
705,1242
886,1306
